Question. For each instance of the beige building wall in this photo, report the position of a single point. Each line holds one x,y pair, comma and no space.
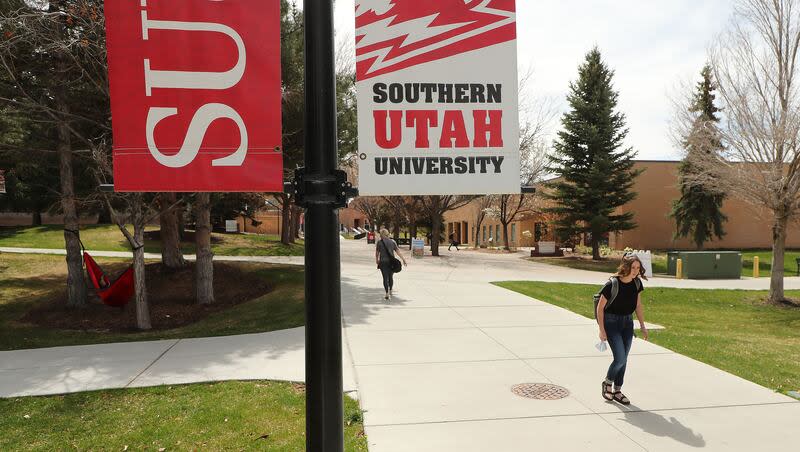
462,222
352,218
26,219
657,188
267,222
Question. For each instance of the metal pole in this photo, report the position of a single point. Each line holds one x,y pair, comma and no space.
324,405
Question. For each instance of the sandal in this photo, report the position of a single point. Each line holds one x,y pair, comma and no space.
607,394
619,397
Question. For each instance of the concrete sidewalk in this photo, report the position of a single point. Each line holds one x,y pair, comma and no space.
278,355
283,260
435,368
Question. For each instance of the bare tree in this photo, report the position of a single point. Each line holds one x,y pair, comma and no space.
129,209
371,207
434,207
538,114
49,52
396,208
405,210
755,65
509,208
484,205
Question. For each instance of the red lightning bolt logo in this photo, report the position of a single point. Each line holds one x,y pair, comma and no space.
397,34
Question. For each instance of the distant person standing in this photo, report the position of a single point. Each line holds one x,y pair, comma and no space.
453,243
619,299
385,251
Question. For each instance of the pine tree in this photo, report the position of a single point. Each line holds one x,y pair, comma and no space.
596,173
698,212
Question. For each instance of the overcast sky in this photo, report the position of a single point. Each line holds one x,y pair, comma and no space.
651,45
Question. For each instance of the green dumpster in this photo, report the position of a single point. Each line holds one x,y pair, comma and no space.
706,264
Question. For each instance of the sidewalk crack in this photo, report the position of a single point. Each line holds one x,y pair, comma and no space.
152,363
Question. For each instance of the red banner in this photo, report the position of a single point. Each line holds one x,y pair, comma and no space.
195,95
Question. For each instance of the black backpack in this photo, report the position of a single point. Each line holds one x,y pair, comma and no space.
614,292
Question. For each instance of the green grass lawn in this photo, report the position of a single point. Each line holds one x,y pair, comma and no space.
732,330
26,280
222,416
765,265
109,238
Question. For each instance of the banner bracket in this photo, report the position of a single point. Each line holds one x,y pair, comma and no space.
322,190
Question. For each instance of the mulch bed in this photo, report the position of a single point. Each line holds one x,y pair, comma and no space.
170,296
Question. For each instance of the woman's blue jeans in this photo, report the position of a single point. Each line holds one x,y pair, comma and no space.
619,330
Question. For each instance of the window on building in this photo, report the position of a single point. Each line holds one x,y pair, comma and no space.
484,233
514,232
497,234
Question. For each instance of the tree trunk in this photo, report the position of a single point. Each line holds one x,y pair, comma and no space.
37,219
505,236
286,220
140,282
478,233
595,247
436,232
776,293
396,231
204,269
104,217
76,285
413,236
171,254
296,214
179,212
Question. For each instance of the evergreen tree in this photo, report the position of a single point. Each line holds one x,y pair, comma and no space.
596,173
698,212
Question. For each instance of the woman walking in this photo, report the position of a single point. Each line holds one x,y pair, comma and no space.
619,299
385,251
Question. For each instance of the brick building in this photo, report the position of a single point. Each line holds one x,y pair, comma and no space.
657,188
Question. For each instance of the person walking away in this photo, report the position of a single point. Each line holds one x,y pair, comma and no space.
619,299
453,243
385,250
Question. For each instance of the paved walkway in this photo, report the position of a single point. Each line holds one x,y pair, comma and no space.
277,355
434,368
286,260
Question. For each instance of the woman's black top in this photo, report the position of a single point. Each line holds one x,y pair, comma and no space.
627,298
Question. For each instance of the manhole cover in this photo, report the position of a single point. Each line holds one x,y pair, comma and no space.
540,391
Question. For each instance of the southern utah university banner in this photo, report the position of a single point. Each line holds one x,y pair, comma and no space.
437,97
195,95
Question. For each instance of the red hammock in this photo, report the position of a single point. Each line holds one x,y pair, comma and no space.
117,293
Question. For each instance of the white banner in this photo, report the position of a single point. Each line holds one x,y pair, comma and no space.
437,97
